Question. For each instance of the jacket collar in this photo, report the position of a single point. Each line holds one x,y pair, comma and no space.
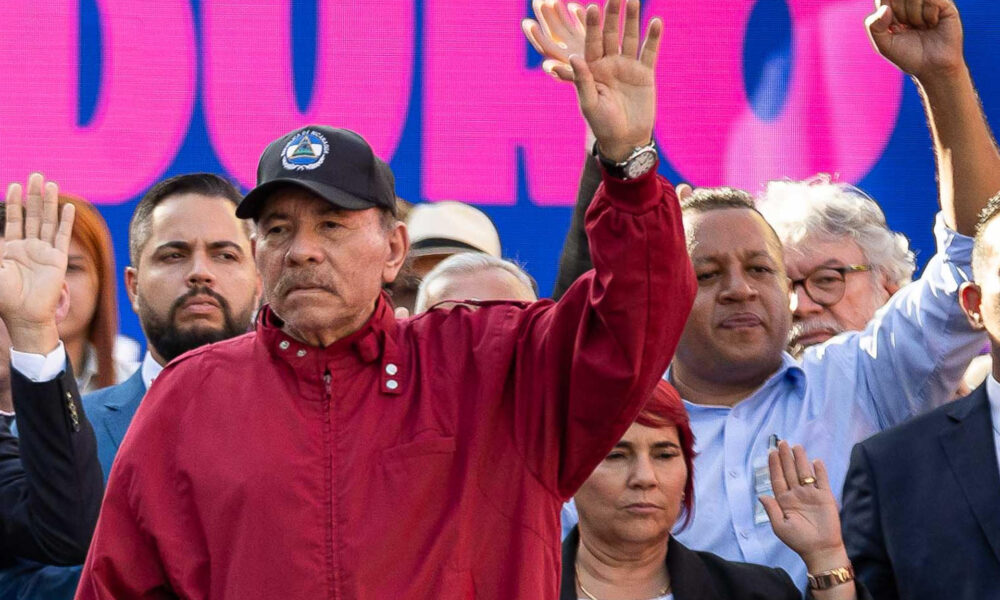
126,393
689,579
969,447
123,402
373,342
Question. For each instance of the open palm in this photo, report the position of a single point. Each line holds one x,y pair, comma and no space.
615,81
803,513
923,37
35,253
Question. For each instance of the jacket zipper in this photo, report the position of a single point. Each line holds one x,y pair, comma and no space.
331,522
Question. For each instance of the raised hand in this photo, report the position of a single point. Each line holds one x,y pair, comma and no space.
615,81
921,37
33,264
558,34
803,511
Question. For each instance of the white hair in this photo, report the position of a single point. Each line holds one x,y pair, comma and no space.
469,263
821,207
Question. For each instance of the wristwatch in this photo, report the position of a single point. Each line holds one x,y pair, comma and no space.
639,162
831,578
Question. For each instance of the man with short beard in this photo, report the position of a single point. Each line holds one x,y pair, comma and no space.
192,282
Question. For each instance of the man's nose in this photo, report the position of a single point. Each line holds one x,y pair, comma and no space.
801,304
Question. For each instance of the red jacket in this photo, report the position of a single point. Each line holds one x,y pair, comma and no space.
425,458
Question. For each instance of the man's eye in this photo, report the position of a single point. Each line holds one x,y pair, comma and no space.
708,276
274,230
615,456
761,270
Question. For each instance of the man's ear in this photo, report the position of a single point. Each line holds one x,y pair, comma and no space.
970,298
399,247
62,309
132,286
888,285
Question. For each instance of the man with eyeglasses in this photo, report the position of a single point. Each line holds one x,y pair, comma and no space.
743,391
842,259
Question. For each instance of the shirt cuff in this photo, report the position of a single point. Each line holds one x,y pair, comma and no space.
37,367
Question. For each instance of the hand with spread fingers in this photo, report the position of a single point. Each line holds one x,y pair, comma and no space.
921,37
558,33
804,514
33,265
615,80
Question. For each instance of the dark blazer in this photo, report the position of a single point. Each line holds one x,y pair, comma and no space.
575,257
111,410
701,576
921,511
50,480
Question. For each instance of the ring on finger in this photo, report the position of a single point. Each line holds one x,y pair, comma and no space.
807,480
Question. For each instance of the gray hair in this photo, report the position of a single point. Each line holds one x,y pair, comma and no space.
831,209
469,263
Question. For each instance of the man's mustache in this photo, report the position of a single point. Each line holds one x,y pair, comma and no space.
291,280
805,328
199,291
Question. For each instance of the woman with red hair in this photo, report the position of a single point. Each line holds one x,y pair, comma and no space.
622,548
90,330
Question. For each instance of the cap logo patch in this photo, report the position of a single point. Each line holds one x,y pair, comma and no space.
305,151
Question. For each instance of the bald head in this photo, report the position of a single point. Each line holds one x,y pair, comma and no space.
474,276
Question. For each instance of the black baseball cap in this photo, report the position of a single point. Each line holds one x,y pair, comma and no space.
337,165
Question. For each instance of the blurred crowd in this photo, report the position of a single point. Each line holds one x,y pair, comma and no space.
729,393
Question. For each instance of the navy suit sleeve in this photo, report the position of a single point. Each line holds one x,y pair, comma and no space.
51,482
862,528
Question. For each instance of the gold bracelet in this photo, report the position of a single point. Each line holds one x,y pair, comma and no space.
831,578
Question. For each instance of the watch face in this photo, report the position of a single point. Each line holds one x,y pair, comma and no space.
640,164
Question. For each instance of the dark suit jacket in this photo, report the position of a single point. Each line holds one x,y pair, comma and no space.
50,480
921,512
701,576
575,257
111,410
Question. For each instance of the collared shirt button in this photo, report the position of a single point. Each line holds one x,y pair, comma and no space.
300,353
733,474
392,384
283,345
391,369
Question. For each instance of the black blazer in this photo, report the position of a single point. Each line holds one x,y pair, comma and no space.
51,482
921,511
701,576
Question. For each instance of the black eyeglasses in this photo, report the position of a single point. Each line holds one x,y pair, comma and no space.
826,285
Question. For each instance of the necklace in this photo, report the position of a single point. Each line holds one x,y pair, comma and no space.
579,582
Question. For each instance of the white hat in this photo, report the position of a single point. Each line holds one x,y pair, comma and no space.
450,227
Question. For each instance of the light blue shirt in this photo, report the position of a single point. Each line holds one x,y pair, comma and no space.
907,361
993,394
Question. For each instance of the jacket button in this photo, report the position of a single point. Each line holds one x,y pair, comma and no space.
392,384
283,345
391,369
300,353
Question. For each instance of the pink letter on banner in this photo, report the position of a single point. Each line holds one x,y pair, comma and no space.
144,105
842,104
481,103
363,75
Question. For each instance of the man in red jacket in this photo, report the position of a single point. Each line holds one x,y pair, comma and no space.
337,452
